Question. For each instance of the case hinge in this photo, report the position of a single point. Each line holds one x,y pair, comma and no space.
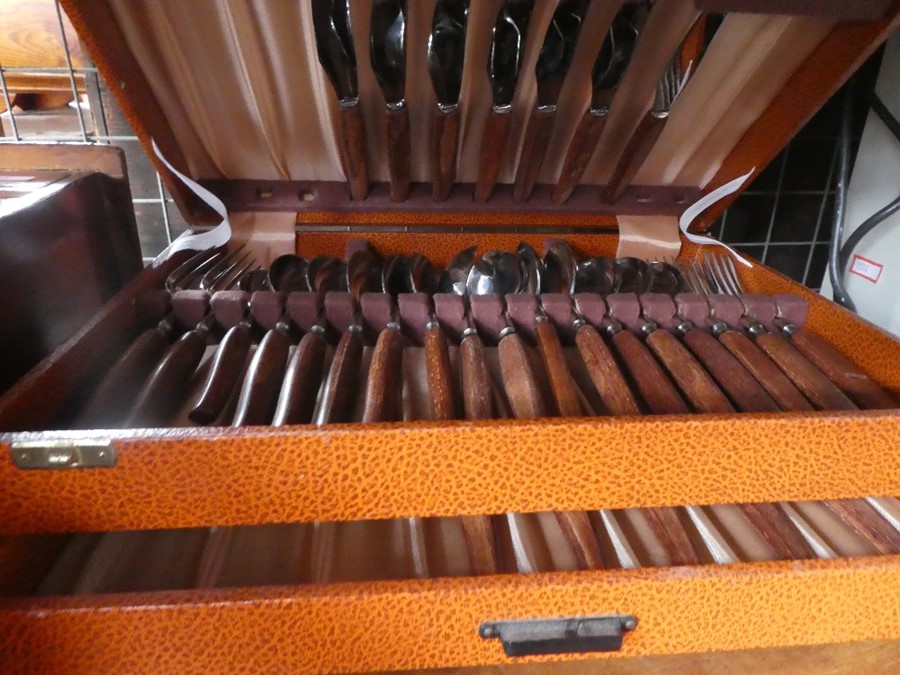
572,635
63,454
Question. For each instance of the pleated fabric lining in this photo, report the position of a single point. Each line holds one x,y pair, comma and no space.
243,91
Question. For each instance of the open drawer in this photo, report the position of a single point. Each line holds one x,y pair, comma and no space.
423,542
344,544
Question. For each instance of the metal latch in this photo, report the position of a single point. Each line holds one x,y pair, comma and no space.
63,454
572,635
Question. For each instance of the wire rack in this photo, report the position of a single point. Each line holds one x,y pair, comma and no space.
158,219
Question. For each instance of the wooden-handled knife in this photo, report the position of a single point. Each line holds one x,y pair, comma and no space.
609,69
550,72
504,64
681,68
446,57
334,44
387,49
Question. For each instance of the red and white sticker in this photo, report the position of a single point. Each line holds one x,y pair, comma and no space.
867,269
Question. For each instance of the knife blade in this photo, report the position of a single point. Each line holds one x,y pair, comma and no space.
334,44
550,71
609,69
446,57
387,48
504,64
681,68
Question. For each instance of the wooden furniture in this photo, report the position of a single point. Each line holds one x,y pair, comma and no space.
153,587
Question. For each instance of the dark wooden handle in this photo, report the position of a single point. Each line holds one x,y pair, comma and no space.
297,399
476,381
815,386
605,373
256,401
840,370
519,379
223,374
780,388
527,403
648,376
565,395
867,523
398,152
581,149
117,390
779,531
444,151
163,392
440,375
639,146
477,530
698,387
493,144
673,536
577,528
341,386
743,389
352,149
537,137
383,386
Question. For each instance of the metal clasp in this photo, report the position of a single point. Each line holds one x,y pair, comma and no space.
63,454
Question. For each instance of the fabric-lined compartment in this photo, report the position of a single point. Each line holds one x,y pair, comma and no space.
303,553
284,110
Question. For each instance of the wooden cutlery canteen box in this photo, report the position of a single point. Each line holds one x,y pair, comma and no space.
400,536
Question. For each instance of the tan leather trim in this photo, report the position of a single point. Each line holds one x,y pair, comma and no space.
648,237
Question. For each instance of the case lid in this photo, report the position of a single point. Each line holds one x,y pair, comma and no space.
234,94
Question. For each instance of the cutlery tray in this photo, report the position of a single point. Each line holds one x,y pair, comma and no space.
344,547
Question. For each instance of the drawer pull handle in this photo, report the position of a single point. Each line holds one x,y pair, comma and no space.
63,454
572,635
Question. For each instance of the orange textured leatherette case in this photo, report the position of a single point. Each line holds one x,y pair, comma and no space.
267,144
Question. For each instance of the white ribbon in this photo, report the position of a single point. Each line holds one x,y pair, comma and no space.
704,203
218,236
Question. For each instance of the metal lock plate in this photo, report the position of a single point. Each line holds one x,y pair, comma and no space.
63,454
571,635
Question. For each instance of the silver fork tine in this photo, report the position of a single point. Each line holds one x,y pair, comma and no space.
197,262
216,279
701,278
734,275
721,276
214,272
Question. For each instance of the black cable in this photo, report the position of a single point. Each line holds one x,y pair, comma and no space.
885,212
835,271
